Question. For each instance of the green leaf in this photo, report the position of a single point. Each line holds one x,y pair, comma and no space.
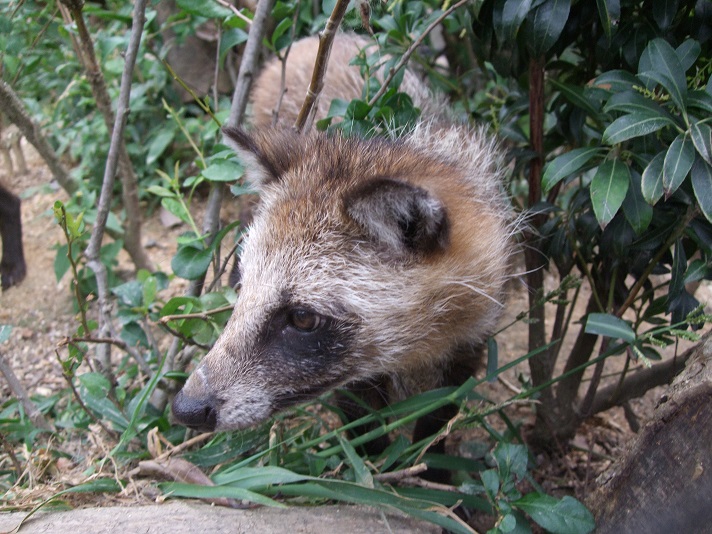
700,100
633,125
545,24
677,273
96,384
616,81
177,208
604,324
678,161
511,460
663,12
256,478
636,210
652,182
492,358
191,263
634,102
223,171
490,480
577,96
180,489
507,25
701,177
697,270
608,189
687,53
660,63
361,471
609,11
5,331
701,135
204,8
565,516
566,165
159,144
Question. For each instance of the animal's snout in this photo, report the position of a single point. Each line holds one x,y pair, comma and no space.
200,413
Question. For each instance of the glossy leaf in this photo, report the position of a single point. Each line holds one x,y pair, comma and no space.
545,24
633,102
633,125
576,96
604,324
687,53
566,165
677,273
660,63
700,100
678,161
663,12
652,182
701,177
701,135
506,26
609,11
608,189
616,81
636,210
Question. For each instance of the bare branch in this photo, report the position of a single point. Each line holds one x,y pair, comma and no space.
104,205
12,107
38,420
637,384
129,180
326,40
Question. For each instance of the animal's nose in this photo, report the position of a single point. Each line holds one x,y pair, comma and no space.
198,413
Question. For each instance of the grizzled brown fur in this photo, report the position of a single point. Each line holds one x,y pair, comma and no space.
375,264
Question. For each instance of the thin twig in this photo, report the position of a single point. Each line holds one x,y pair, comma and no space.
326,40
38,420
405,57
104,205
70,382
199,315
397,476
283,60
236,11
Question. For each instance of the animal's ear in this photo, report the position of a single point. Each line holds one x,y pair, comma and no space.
267,155
404,218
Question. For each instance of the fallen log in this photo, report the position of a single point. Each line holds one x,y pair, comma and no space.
663,483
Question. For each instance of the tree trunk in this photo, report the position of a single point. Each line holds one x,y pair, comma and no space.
12,107
663,484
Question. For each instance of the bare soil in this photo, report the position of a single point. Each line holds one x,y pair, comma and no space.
41,313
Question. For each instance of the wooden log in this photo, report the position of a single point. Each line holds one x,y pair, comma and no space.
663,483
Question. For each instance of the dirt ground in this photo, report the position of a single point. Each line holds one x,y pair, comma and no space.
40,311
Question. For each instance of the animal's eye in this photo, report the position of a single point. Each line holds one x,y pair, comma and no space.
305,320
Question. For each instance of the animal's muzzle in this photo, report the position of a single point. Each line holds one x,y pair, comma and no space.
197,413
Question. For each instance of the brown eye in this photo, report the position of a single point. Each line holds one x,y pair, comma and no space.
305,320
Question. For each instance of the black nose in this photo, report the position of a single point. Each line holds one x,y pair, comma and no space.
198,413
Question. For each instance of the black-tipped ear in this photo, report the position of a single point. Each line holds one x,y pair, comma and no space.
259,168
403,217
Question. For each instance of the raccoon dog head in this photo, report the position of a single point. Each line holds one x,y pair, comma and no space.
352,268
